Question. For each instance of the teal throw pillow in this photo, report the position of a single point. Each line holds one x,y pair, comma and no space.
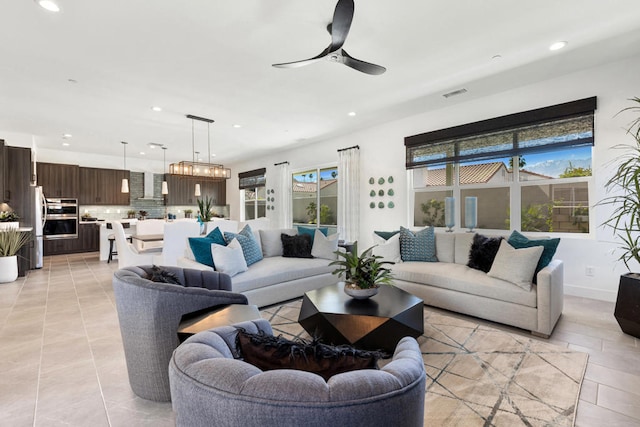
519,241
201,248
420,246
386,235
250,246
311,231
217,237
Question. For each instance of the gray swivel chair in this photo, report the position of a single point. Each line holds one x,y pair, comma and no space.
210,386
149,314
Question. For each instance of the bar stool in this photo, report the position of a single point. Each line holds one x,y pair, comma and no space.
112,239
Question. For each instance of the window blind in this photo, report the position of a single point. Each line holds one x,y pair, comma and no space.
252,179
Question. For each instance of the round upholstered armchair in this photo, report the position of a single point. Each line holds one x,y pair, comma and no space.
149,313
211,386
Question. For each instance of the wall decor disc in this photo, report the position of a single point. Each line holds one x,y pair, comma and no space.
391,205
390,180
273,208
372,181
372,193
381,181
372,205
381,205
391,192
380,192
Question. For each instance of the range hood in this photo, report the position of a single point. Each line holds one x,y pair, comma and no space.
148,187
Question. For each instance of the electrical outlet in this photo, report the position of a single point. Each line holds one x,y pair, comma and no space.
589,270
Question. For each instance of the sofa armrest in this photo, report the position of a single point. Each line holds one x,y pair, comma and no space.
550,292
185,262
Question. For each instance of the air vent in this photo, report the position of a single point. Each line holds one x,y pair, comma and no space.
455,92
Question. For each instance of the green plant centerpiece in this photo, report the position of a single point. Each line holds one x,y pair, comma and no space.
363,274
8,216
11,241
204,209
624,221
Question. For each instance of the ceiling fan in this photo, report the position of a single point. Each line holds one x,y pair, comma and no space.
339,28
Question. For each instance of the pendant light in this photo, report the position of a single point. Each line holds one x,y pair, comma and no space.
125,182
165,187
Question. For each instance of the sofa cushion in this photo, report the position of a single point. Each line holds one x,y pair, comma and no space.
271,241
279,269
324,246
250,247
457,277
462,247
269,352
298,246
516,265
519,241
419,246
445,246
483,251
311,231
388,249
229,259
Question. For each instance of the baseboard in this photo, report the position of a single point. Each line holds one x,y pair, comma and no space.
599,294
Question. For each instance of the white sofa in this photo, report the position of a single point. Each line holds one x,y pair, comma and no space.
451,285
275,278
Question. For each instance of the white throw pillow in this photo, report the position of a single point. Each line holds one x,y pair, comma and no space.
272,242
389,250
324,246
516,265
229,259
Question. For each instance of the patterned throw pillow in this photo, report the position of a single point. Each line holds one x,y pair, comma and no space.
420,246
250,247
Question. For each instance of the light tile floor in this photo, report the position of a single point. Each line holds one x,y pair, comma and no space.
62,362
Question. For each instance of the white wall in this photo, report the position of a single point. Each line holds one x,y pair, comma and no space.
383,154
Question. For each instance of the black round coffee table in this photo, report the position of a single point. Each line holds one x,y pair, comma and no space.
375,323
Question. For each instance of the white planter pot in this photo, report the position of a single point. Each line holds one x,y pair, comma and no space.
8,269
9,225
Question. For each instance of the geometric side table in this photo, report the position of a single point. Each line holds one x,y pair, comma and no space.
375,323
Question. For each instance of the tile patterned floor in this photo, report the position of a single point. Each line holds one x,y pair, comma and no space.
62,363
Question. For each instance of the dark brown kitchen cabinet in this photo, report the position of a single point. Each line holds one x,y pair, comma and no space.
3,171
182,190
102,187
88,240
59,180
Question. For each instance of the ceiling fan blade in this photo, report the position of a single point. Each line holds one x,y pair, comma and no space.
301,63
339,27
363,66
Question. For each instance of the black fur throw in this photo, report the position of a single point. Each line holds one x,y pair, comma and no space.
269,352
483,252
158,274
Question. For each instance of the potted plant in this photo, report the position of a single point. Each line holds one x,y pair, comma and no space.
625,224
143,214
363,274
9,219
187,213
11,241
131,213
204,209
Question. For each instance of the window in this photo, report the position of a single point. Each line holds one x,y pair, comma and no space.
547,191
313,188
253,193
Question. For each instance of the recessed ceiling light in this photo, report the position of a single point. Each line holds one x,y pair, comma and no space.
352,113
558,45
213,154
156,109
49,5
237,126
66,144
142,153
67,135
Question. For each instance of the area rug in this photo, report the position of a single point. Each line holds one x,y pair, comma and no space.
481,376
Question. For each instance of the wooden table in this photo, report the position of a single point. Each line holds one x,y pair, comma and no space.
206,319
147,238
375,323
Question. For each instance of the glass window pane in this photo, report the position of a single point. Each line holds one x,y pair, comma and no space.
570,163
261,201
559,208
493,207
434,176
249,203
328,196
497,171
429,208
305,206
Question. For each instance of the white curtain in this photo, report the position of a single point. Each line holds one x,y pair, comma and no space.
349,194
281,207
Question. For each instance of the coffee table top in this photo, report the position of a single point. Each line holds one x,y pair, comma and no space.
389,302
221,316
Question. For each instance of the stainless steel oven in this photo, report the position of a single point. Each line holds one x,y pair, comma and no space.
61,219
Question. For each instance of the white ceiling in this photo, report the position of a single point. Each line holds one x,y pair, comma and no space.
212,58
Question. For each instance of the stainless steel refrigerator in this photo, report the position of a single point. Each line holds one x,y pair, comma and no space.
38,220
